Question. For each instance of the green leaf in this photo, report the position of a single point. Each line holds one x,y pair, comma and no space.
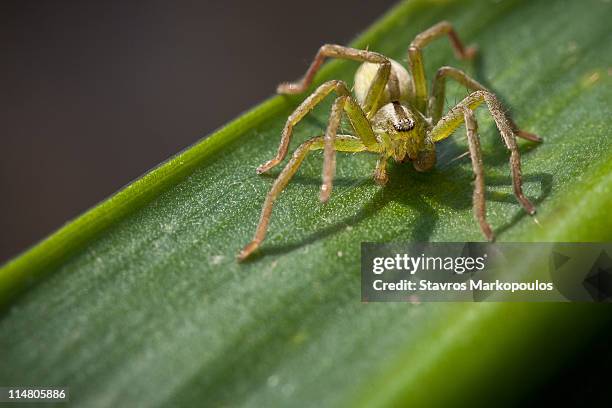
142,302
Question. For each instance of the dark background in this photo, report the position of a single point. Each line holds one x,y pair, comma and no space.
94,94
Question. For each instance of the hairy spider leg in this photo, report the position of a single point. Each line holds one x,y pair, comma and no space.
453,119
356,116
370,105
380,172
343,143
436,99
415,58
360,126
438,89
480,213
329,153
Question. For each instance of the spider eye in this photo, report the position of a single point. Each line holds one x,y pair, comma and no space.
404,125
401,118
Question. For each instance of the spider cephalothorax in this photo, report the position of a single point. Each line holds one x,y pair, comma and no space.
404,134
391,115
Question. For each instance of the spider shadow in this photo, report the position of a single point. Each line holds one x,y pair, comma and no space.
409,188
395,190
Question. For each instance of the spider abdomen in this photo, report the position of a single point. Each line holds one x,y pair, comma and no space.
398,88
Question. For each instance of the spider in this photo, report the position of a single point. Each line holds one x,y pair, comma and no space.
392,116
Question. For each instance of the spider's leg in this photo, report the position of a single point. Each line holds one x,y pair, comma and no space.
436,100
380,173
480,213
361,128
338,51
415,57
355,113
305,107
453,119
341,143
329,153
438,89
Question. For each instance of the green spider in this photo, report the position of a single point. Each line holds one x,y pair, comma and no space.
391,115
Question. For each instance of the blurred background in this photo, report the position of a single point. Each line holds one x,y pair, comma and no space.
94,94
